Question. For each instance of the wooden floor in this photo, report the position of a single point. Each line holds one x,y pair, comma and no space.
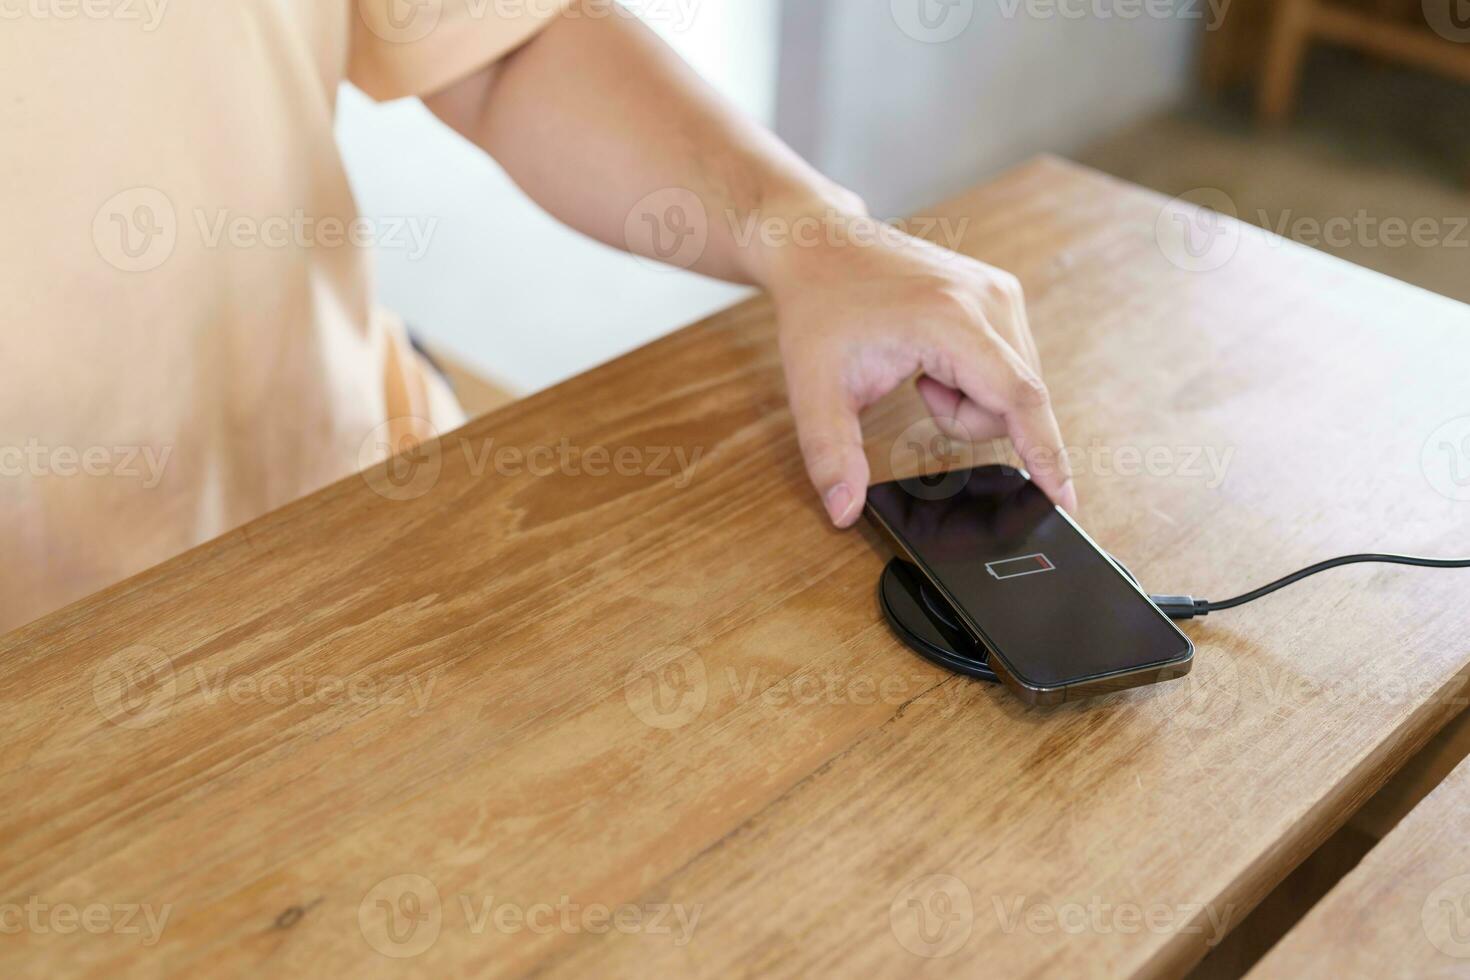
1386,142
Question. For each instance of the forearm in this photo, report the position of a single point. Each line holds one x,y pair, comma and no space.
597,120
606,129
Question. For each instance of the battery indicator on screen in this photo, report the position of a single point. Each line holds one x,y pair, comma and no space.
1016,567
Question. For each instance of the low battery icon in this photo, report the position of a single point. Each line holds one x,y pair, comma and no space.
1016,567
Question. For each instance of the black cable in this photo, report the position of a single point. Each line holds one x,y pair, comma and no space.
1188,607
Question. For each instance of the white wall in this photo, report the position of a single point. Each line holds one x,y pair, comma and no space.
502,286
907,111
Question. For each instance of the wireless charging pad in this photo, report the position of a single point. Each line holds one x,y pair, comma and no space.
924,620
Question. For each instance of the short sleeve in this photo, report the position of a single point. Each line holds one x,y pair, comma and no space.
413,47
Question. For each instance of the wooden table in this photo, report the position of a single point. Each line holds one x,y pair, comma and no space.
1402,912
483,720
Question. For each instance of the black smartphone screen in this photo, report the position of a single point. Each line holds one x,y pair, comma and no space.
1033,587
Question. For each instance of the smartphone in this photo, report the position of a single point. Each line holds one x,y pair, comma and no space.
1057,616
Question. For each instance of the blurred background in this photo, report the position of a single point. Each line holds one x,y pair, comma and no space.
1344,124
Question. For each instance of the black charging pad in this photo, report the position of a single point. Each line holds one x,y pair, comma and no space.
924,620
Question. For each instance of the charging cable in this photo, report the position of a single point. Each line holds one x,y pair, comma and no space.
1188,607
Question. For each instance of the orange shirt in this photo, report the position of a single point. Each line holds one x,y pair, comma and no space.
190,338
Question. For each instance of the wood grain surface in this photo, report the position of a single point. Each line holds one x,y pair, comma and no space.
1403,912
522,708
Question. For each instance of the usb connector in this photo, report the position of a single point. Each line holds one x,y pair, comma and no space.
1181,606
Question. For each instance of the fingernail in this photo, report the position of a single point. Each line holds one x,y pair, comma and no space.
840,504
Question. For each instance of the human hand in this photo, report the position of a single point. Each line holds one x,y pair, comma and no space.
856,320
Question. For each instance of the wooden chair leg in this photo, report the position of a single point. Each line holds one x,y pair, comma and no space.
1217,57
1290,34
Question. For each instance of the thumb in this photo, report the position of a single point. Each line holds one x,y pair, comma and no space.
831,439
